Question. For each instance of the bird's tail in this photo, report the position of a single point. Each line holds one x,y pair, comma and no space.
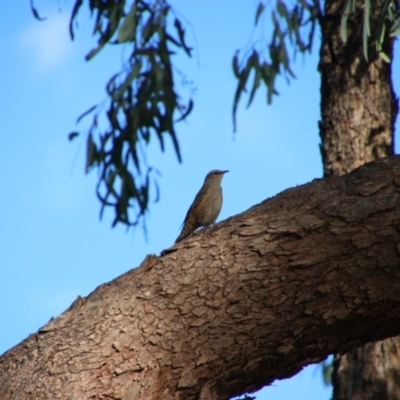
186,231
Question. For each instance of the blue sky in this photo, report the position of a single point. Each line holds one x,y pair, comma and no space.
53,246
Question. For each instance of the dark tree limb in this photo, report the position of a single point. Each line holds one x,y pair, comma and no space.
311,271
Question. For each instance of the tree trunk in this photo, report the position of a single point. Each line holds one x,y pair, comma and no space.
358,104
369,372
359,109
312,271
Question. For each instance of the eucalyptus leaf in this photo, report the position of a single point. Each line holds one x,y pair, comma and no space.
36,13
235,65
117,93
73,135
148,29
395,29
86,113
366,28
384,57
91,152
282,10
343,21
127,30
256,85
260,9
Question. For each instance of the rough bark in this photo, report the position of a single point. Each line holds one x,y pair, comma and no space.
359,109
370,372
358,104
312,271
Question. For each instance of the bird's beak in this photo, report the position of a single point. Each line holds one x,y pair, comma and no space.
224,172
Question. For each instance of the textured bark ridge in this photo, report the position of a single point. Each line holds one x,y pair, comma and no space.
312,271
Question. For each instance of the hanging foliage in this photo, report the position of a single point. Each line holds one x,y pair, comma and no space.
142,101
293,29
294,25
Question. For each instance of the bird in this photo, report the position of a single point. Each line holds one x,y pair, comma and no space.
206,205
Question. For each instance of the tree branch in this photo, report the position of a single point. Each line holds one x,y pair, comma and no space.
311,271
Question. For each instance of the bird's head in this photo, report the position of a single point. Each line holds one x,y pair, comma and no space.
215,175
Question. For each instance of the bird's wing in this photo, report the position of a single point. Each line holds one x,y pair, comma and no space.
196,204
